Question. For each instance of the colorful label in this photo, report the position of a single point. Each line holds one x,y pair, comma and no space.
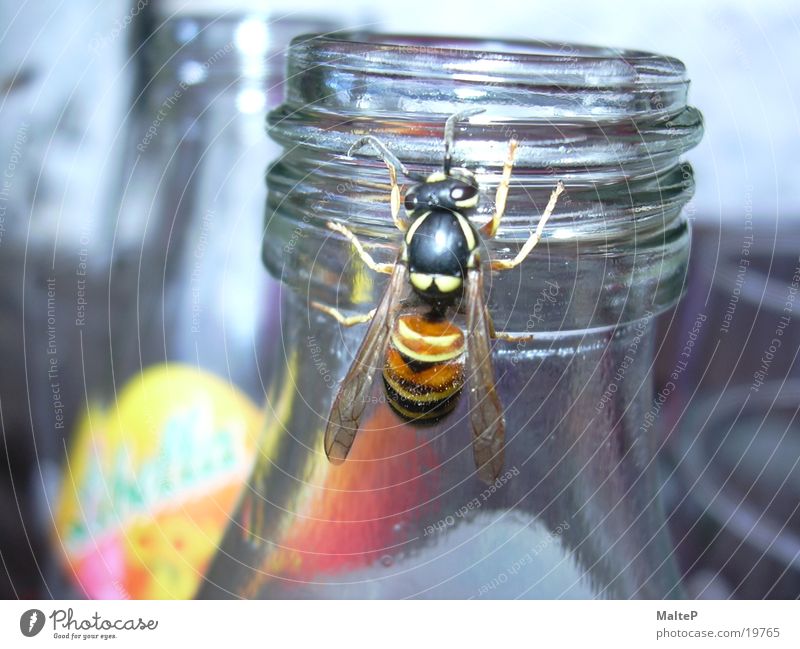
150,483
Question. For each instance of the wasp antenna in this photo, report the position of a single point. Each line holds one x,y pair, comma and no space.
450,131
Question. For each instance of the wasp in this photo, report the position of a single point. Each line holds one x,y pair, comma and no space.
427,359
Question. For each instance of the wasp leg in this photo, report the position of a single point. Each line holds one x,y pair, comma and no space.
392,163
347,321
490,229
512,338
365,256
399,223
530,244
502,335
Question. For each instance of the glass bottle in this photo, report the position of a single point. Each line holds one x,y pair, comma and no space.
173,393
576,510
59,162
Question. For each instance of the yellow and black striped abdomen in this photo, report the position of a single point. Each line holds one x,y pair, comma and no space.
424,370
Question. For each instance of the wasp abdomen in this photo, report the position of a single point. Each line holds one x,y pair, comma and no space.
424,370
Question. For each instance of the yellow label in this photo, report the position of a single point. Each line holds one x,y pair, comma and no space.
150,482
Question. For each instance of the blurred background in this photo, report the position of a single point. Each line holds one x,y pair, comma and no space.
132,156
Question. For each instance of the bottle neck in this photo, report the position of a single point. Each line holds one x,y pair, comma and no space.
611,125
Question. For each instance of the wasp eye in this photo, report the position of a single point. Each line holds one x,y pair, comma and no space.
463,193
411,202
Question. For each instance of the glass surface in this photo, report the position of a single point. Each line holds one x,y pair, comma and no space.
576,511
745,283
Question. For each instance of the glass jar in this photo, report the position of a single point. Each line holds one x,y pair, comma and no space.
575,511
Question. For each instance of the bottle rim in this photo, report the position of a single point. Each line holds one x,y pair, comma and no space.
531,59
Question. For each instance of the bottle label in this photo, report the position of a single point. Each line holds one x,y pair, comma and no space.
151,481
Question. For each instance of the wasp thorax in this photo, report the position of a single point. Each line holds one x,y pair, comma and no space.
439,250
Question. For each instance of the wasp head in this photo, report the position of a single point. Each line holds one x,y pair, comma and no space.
455,192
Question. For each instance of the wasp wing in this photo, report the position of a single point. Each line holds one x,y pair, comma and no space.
351,400
486,410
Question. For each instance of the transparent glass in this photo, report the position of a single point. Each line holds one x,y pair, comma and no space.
576,511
